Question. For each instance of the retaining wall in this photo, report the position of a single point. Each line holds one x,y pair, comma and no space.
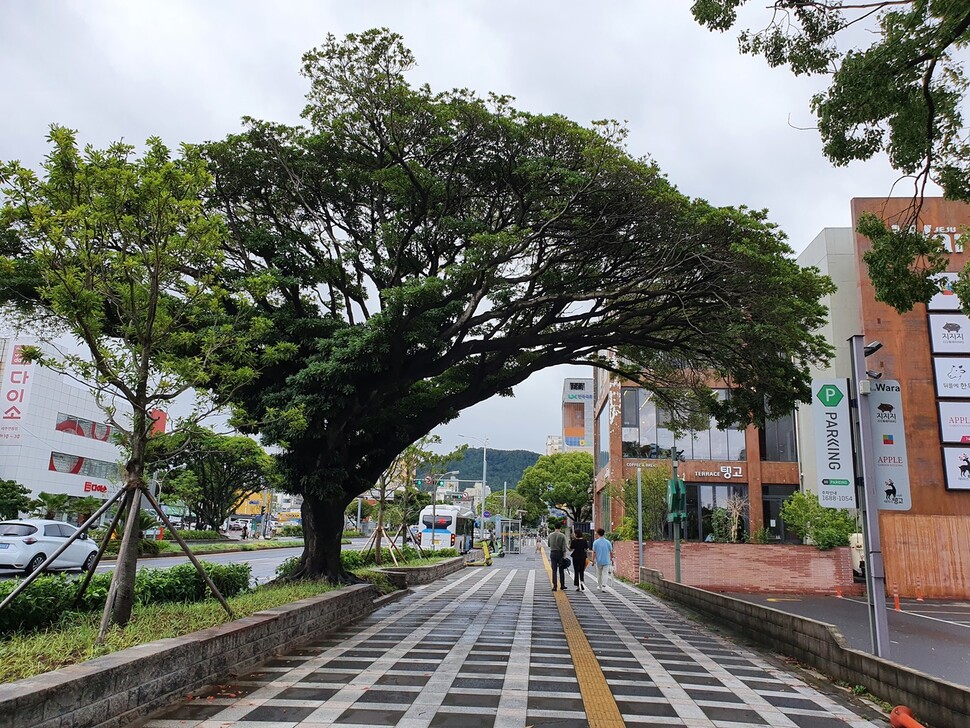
404,576
937,702
114,690
738,567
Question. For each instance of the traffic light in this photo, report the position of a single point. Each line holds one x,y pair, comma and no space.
441,484
419,482
676,500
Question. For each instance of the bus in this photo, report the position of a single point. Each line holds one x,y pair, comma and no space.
448,526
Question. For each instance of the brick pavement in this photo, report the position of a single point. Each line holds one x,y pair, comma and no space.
487,648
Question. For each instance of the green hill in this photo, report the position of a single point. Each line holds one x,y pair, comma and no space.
504,466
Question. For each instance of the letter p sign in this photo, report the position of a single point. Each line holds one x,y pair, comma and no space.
829,395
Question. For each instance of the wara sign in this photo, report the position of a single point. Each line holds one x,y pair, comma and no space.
891,472
834,470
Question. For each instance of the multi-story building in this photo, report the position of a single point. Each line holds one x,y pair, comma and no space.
553,444
577,415
925,527
53,435
715,464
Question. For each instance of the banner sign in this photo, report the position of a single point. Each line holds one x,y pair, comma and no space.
14,391
952,376
946,299
885,402
955,422
834,469
956,466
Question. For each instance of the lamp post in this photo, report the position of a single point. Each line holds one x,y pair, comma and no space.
484,441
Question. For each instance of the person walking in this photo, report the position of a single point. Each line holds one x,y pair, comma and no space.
557,552
579,546
602,558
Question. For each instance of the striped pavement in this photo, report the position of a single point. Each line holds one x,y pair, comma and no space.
494,647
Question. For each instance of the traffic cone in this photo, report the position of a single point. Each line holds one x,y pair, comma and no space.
919,589
896,597
838,590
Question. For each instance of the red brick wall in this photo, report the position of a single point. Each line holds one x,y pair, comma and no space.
729,567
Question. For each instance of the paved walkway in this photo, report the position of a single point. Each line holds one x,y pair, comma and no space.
494,647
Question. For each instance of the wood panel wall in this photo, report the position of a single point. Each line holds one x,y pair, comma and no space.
932,549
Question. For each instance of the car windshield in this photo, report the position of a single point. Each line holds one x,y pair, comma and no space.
16,529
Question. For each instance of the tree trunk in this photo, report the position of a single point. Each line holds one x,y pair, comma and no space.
323,527
127,564
380,527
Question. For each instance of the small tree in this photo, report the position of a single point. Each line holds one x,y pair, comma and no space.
82,508
736,508
825,527
654,498
48,505
14,499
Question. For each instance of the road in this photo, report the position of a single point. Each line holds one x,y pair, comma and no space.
264,563
930,636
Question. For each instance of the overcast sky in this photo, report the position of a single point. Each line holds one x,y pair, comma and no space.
722,127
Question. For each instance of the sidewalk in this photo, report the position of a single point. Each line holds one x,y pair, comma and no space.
495,647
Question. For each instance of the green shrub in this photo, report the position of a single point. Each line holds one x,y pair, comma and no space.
146,547
615,536
762,536
826,527
446,553
193,535
288,567
290,529
43,602
353,534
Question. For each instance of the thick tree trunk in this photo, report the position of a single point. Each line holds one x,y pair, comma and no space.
126,566
323,527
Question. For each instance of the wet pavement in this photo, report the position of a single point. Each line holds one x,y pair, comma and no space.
494,647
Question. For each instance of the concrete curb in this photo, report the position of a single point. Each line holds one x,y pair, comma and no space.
114,690
407,576
820,645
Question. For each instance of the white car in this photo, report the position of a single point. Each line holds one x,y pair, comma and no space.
26,544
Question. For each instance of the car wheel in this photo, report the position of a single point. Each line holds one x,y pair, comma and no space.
88,564
34,564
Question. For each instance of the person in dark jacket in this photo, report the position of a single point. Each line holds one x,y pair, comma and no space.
579,546
557,552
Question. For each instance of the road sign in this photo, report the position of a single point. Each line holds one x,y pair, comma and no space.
834,469
891,470
487,514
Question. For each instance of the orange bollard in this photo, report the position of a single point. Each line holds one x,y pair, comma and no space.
838,591
902,717
896,597
919,589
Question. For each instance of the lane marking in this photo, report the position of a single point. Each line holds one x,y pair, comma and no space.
912,614
601,708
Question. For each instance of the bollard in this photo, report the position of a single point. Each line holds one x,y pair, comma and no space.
838,591
902,717
896,597
919,589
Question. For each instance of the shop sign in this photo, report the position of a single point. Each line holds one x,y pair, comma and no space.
885,402
834,469
946,299
952,376
956,466
14,392
949,333
955,422
724,472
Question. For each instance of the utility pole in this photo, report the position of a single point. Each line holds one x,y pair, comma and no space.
673,465
875,570
639,520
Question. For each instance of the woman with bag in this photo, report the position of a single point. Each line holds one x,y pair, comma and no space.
579,547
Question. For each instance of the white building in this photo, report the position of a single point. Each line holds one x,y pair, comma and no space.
53,435
553,444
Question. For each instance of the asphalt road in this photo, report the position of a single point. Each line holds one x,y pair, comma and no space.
263,563
930,636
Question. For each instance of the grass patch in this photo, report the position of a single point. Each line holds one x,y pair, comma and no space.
72,641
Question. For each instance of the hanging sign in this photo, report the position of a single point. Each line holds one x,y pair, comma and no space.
885,402
834,469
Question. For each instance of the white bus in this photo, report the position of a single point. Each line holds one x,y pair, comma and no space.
446,526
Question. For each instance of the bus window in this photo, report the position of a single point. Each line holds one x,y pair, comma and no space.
439,521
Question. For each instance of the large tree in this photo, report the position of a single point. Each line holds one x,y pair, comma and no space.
418,252
897,87
564,481
14,499
116,251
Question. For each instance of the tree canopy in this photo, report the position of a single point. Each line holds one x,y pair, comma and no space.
563,481
897,87
14,499
416,252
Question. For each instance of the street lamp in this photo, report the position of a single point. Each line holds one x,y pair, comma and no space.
484,441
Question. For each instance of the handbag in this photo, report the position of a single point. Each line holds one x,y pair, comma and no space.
565,563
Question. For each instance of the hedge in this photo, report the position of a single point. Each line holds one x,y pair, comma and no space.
51,597
352,560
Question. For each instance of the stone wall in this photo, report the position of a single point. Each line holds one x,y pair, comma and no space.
114,690
404,576
935,701
731,567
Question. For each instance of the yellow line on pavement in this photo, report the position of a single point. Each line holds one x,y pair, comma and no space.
601,708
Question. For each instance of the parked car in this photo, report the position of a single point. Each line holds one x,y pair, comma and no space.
26,544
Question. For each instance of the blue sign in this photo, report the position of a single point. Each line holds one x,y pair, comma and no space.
486,514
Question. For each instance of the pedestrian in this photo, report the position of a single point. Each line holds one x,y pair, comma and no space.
579,546
557,552
602,558
245,532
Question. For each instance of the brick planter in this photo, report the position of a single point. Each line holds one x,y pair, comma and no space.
404,576
740,567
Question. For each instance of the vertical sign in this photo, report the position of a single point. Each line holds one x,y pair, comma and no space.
885,403
14,392
834,469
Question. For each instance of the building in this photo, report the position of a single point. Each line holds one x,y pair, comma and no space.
577,416
757,464
925,528
53,435
553,444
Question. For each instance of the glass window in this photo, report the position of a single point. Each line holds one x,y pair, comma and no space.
76,465
603,436
52,530
630,405
16,529
82,427
777,439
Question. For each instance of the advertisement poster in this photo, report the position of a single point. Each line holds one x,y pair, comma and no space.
956,466
889,447
834,469
949,333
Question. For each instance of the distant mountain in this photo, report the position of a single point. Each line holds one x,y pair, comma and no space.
504,466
